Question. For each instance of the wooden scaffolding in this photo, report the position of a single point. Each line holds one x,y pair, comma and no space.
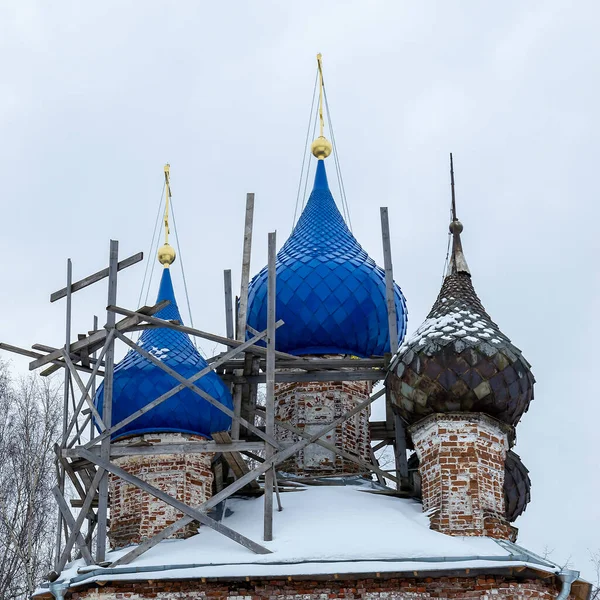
85,455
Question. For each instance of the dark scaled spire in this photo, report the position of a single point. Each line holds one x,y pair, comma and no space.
458,360
458,262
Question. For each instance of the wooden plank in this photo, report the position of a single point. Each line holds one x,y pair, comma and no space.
270,391
85,509
389,279
309,364
107,401
30,354
228,303
96,340
234,459
380,477
380,431
191,448
195,514
246,255
70,521
98,276
84,390
400,454
91,385
297,377
184,383
219,339
75,357
277,458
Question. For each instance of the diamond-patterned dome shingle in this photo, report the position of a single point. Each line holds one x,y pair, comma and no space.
137,381
459,360
330,294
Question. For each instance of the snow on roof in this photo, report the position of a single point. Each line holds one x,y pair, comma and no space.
322,529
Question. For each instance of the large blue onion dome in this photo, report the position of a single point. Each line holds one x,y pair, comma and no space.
137,381
330,294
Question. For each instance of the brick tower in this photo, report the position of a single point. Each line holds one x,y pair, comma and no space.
462,387
183,418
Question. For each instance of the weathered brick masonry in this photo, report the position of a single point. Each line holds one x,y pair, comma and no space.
135,514
456,588
309,407
462,473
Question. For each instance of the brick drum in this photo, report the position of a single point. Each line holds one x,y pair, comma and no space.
462,473
309,407
135,514
441,588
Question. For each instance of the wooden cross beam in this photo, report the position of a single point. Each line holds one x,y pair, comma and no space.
219,339
98,276
96,340
189,448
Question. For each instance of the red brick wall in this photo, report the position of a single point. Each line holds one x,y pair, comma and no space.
462,473
309,407
135,514
441,588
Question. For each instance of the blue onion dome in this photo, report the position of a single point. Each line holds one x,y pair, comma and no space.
330,294
458,359
137,381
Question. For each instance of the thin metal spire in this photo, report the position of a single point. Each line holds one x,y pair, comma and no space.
458,262
452,186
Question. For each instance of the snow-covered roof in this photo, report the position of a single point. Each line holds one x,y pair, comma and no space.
321,530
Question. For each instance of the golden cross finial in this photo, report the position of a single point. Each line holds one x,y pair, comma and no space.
321,147
166,254
167,198
321,120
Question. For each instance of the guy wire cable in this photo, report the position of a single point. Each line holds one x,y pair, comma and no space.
345,206
187,297
312,104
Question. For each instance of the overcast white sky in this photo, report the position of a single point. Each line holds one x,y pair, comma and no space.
96,97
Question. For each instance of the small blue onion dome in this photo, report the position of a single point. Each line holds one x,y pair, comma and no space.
137,381
330,294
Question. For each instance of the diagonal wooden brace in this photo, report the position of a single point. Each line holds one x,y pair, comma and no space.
195,514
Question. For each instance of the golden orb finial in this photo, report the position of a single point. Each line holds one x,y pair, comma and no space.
321,147
166,255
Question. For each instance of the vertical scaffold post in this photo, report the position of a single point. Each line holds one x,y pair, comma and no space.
242,310
389,279
228,303
393,421
61,470
93,388
270,395
107,401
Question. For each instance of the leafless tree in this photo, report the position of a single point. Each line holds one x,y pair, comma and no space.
595,560
29,427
